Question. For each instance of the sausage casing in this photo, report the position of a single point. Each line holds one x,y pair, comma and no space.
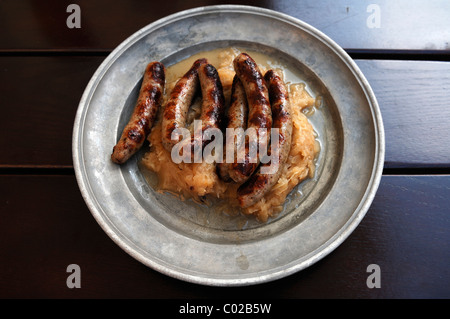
177,106
259,113
236,119
144,114
260,183
213,105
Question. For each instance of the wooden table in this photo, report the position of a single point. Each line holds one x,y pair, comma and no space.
402,47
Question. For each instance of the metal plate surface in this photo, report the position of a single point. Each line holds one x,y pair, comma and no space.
194,243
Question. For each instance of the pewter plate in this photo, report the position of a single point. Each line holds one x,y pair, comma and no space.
194,242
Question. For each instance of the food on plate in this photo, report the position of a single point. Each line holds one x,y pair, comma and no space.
262,181
177,107
235,96
212,109
259,115
236,119
144,114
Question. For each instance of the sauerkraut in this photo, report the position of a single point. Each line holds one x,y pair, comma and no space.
198,181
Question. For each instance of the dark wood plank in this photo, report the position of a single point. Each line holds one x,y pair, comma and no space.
45,226
414,101
403,25
40,96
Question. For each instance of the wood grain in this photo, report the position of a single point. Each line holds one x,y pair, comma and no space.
414,98
40,96
403,25
46,227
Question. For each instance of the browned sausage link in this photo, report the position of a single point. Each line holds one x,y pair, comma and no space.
259,184
259,112
236,117
237,113
144,114
213,103
177,106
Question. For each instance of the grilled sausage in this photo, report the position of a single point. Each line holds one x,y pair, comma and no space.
259,112
236,117
144,114
213,105
260,183
177,106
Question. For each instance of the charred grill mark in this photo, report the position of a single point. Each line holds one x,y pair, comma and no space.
155,93
143,124
211,72
280,114
246,65
261,106
169,112
275,93
260,120
214,115
172,126
176,91
193,71
184,86
157,72
217,94
155,97
136,135
234,89
199,62
254,184
245,168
